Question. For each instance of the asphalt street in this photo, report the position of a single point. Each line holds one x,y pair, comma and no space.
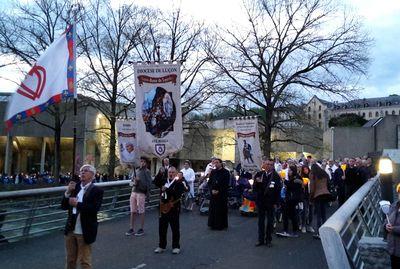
200,247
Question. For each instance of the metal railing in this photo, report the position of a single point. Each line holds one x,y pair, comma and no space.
359,216
29,213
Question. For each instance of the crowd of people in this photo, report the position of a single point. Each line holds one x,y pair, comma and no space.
292,190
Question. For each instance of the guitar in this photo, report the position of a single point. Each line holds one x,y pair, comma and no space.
166,207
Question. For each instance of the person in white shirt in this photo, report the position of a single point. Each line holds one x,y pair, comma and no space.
189,175
83,201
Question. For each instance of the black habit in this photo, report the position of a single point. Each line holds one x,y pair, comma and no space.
218,211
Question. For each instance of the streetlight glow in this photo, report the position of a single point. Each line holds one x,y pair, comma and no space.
385,166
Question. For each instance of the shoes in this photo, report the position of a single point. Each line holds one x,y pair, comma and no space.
316,236
283,234
130,232
159,250
176,251
310,229
140,232
259,244
303,229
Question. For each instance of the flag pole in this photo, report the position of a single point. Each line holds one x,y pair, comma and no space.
75,9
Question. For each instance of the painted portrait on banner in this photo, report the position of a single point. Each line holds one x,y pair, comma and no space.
126,131
248,142
158,109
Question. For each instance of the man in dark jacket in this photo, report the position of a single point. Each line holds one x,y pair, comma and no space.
354,179
171,193
83,201
267,186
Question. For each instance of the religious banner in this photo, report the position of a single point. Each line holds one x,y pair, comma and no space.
158,108
128,152
248,143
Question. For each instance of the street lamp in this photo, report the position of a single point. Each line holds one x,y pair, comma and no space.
385,170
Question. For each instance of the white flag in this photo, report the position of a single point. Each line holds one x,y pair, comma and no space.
49,80
158,109
126,130
248,143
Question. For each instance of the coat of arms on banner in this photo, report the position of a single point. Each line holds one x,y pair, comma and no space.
159,148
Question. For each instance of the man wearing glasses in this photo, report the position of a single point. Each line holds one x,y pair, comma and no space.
83,201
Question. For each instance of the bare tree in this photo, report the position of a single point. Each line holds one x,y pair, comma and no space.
108,37
26,30
290,48
175,38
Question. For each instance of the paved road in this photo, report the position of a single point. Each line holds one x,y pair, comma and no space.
201,248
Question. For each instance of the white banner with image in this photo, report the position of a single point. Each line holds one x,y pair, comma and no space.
248,142
158,108
127,143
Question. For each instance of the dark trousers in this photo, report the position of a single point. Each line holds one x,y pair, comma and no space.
395,262
320,210
171,218
289,212
265,232
307,213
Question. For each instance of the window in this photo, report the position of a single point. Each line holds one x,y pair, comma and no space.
309,117
319,124
319,108
393,112
376,114
309,109
370,114
386,112
363,114
319,116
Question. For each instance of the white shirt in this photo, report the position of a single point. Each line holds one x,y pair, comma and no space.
190,176
79,197
209,168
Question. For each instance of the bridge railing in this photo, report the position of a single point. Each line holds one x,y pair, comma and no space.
28,213
359,216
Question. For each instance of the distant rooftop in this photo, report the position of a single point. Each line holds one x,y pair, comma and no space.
391,100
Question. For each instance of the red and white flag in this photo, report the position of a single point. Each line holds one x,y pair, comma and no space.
49,81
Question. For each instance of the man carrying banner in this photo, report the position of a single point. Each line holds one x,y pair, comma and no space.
83,201
141,184
218,185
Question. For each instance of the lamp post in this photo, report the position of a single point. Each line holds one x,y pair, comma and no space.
386,171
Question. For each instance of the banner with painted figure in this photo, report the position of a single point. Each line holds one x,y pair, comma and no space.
127,143
248,143
158,108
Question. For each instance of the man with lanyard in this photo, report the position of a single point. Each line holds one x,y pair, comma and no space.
267,187
83,201
171,193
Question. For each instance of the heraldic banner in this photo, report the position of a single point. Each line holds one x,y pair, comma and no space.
248,143
128,152
50,80
158,108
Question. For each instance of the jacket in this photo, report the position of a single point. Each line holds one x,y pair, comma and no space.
268,191
318,187
393,238
143,185
87,209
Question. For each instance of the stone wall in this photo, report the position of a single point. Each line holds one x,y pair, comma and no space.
373,253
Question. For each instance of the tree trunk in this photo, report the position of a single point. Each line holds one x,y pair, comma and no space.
57,143
267,134
111,157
